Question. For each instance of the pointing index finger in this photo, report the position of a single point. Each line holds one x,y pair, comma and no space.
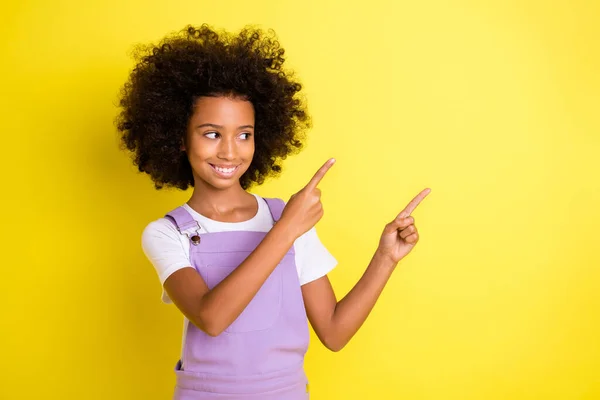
316,179
414,203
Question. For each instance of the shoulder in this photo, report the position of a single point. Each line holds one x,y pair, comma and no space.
269,201
160,234
162,227
271,205
166,249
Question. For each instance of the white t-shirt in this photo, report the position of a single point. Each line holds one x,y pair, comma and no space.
168,250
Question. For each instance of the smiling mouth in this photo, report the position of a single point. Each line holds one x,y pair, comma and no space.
225,172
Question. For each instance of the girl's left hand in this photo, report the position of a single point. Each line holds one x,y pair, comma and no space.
400,236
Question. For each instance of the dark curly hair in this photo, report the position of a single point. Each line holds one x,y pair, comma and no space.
157,101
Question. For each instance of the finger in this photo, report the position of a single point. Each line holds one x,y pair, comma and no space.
412,239
399,223
414,203
320,174
406,232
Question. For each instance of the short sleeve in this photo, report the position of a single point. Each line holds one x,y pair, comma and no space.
162,245
313,260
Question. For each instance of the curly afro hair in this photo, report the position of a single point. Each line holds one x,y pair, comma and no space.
157,101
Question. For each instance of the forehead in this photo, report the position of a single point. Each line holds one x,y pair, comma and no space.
222,110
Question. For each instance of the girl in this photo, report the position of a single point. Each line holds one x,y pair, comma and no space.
218,112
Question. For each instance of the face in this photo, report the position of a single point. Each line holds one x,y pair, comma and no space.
220,141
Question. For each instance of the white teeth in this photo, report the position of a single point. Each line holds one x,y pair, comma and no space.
225,170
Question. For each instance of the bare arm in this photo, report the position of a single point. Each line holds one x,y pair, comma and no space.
214,310
335,323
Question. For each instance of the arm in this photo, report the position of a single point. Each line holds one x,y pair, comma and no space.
214,310
335,323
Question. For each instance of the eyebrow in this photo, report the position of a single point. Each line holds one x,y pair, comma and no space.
222,127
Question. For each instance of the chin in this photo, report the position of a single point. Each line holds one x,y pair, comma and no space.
211,178
217,184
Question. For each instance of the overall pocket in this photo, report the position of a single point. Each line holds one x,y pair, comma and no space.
262,311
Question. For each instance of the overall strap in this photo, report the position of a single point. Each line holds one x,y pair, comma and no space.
276,207
184,222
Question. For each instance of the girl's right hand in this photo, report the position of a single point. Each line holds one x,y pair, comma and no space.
304,209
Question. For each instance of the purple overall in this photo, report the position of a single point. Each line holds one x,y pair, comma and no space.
261,354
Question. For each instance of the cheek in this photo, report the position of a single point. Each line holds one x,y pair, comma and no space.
199,150
249,151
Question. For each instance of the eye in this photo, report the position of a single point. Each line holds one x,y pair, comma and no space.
211,135
246,135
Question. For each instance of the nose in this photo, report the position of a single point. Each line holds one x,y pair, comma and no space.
227,149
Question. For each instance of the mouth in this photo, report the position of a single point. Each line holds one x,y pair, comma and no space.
225,171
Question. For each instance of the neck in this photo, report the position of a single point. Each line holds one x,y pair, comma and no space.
208,200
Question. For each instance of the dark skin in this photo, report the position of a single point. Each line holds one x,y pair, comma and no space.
220,145
221,133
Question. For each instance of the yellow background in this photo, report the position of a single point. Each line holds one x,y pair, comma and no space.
492,104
